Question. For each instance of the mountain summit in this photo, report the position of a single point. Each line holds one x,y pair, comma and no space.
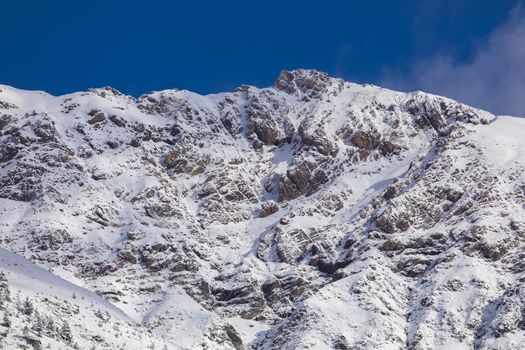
313,214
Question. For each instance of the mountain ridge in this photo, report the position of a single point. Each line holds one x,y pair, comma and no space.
315,213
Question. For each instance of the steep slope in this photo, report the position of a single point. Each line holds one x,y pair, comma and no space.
315,213
41,309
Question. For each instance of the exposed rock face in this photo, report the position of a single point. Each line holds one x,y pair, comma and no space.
268,208
304,82
365,140
283,210
268,119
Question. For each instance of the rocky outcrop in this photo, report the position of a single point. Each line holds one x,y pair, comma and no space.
307,82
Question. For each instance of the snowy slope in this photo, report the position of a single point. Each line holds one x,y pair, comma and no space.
55,302
312,214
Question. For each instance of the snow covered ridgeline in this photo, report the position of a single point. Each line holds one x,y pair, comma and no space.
312,214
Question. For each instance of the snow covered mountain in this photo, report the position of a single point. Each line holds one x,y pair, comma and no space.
313,214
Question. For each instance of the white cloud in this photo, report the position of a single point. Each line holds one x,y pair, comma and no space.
494,79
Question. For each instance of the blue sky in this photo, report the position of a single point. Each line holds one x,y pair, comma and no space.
211,46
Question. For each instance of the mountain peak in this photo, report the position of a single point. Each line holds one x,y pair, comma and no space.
262,218
306,81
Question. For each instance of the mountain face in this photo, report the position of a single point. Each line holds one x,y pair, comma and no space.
313,214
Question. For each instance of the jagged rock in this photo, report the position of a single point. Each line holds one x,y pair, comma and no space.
45,130
311,83
287,189
269,289
157,210
454,195
160,103
268,209
302,178
223,294
392,245
113,144
365,140
51,240
117,121
7,105
128,256
389,193
5,120
388,148
391,224
100,174
155,261
185,265
320,141
413,267
340,343
97,117
268,121
329,267
134,142
7,153
233,337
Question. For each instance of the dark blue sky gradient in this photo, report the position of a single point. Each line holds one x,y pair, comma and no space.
211,46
